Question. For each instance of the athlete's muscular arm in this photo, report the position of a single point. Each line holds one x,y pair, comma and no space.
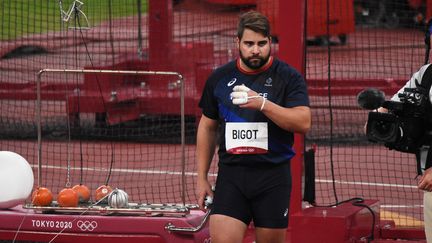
295,119
206,144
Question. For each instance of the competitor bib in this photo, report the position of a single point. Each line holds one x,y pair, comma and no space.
246,137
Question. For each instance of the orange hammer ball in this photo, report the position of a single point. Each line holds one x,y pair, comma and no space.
42,196
67,198
102,191
83,193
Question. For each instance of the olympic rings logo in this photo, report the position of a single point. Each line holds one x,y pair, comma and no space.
87,225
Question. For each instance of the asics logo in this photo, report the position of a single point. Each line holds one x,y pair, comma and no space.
230,83
87,225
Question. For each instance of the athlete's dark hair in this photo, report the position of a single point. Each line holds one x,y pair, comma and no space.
254,21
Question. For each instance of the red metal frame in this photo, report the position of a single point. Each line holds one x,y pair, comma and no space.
291,50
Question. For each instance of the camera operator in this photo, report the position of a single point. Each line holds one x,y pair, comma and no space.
425,179
420,82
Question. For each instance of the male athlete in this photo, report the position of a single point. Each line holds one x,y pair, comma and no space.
251,106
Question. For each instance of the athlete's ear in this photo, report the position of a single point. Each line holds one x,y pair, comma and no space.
237,41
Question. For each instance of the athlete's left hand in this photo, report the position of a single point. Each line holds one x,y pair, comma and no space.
425,182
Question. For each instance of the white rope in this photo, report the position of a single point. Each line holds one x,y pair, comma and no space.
263,103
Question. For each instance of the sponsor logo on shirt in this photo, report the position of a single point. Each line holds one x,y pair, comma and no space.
230,83
268,82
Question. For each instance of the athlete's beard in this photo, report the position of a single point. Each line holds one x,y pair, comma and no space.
254,64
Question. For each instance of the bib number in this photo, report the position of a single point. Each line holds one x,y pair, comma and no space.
246,137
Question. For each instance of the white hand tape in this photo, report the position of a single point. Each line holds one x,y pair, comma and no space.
240,101
241,88
239,97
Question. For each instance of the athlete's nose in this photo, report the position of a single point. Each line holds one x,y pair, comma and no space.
255,50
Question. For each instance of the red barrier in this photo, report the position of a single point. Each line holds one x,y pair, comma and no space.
233,2
340,19
345,223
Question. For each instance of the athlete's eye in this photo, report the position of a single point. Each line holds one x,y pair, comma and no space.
262,43
249,43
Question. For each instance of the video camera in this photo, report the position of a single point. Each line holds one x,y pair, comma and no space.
407,125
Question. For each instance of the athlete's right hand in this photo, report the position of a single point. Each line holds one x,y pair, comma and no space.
203,189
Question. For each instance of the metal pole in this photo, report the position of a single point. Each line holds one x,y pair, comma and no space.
39,127
183,127
292,15
140,49
112,72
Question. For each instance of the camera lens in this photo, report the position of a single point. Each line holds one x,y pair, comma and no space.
385,131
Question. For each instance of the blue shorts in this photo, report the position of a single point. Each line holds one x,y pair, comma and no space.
260,193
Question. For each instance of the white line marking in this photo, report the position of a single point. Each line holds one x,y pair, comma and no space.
139,171
365,183
401,206
167,172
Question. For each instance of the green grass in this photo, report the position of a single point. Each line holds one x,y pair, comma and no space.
23,17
